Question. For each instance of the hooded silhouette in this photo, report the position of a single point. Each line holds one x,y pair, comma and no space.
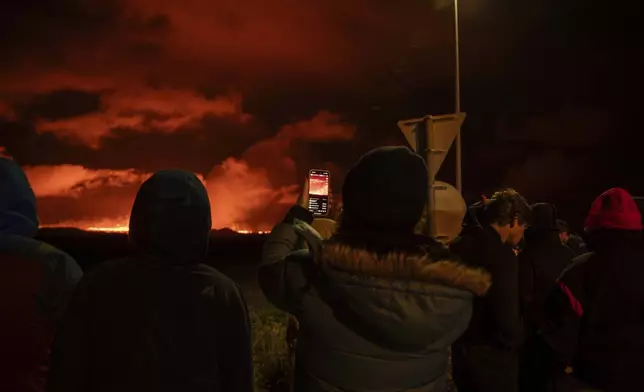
36,281
594,316
159,320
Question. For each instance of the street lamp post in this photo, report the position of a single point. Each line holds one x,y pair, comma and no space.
457,87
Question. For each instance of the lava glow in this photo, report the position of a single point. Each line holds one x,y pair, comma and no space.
251,232
124,228
248,194
115,229
243,230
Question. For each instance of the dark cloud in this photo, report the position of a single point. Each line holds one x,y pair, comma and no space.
196,148
59,105
38,30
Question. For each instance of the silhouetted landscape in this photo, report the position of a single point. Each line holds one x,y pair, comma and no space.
92,247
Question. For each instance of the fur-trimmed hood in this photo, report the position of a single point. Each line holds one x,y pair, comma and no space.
403,301
405,267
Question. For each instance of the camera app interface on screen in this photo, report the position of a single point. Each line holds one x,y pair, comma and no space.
319,192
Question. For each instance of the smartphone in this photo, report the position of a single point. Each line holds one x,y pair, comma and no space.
319,192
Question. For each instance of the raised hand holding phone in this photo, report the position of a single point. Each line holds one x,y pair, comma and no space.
318,192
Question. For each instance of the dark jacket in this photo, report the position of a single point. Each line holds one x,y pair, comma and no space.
595,313
541,262
374,314
36,281
577,244
496,321
160,320
485,358
473,218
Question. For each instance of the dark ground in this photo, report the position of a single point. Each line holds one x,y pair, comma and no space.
236,255
227,248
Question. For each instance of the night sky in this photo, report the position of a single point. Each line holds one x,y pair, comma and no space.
97,94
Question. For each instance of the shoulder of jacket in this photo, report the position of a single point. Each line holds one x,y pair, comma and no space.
218,285
576,266
53,256
583,259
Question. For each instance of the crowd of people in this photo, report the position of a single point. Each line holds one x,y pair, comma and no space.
520,301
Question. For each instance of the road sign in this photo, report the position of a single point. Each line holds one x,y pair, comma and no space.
408,128
449,211
440,134
432,137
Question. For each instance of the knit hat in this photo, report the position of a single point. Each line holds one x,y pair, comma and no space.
386,190
614,209
544,217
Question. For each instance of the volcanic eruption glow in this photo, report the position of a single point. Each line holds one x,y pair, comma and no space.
248,193
124,228
115,229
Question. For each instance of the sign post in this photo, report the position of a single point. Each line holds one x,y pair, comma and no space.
432,137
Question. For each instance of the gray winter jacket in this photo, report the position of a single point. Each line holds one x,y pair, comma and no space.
374,314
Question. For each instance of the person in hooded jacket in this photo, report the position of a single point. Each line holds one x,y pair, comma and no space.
36,282
161,319
485,358
541,262
594,315
378,305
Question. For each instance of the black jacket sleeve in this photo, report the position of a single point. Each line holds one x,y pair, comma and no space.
505,298
526,285
236,369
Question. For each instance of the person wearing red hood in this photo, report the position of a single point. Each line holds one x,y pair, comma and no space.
594,316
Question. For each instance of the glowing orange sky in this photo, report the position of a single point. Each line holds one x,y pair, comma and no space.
236,189
189,44
245,93
163,68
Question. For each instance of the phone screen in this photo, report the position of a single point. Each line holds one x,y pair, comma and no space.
319,192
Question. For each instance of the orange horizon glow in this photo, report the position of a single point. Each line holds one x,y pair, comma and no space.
123,229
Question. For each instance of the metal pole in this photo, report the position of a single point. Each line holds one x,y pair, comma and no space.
457,86
431,207
422,148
